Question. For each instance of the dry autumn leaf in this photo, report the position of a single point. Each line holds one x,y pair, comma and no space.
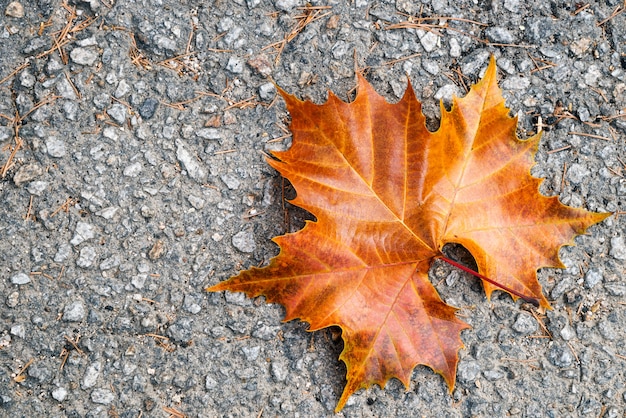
388,195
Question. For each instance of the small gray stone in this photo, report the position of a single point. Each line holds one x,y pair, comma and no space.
265,332
286,5
122,89
40,372
91,375
244,241
561,287
196,202
493,375
512,5
267,91
190,304
102,396
428,39
194,169
74,312
468,371
117,113
55,147
525,324
235,65
133,169
18,330
577,173
108,213
59,394
618,248
593,277
148,108
209,133
210,383
568,333
231,181
279,371
251,353
165,43
560,356
455,48
447,92
615,289
607,330
181,330
26,173
37,187
83,232
84,56
498,34
5,133
63,252
516,83
65,89
86,257
109,263
20,278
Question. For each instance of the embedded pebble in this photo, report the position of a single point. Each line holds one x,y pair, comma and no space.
59,394
468,371
194,169
20,278
209,133
86,257
181,330
429,40
267,91
525,324
235,65
82,233
244,241
568,333
110,262
279,371
251,353
561,356
84,56
37,187
18,330
63,252
148,108
618,248
102,396
56,147
133,170
91,375
577,173
118,113
231,181
499,34
74,312
593,277
455,48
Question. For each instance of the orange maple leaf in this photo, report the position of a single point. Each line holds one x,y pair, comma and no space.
388,195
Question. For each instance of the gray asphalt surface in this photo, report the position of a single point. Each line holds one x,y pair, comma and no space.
132,176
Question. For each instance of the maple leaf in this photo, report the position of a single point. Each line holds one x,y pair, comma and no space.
388,195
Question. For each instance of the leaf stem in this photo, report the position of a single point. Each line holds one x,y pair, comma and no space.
528,299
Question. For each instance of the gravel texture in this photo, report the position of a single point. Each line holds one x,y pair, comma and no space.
140,180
